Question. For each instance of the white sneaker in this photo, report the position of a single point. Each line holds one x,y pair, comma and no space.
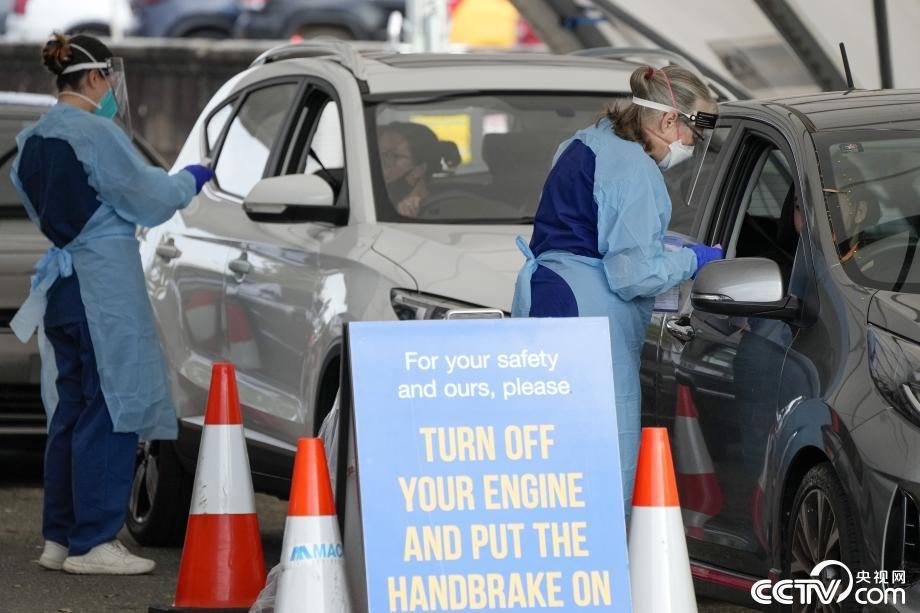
53,556
110,558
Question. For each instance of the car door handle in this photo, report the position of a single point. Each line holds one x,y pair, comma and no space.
680,328
168,250
241,265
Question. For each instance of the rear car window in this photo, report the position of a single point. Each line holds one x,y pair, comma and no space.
871,182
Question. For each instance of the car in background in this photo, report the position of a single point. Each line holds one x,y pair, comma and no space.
37,19
183,19
6,6
337,19
494,24
22,415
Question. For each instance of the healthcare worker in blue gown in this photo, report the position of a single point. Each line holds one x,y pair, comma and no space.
597,245
104,382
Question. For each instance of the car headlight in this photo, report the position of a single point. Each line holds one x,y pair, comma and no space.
895,366
414,305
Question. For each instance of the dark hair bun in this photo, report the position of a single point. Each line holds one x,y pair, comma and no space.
56,54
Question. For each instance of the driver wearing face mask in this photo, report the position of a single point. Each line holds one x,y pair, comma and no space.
597,246
409,156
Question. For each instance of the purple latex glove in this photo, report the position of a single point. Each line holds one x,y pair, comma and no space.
202,175
705,254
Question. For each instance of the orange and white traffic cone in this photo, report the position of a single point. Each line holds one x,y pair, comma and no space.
222,565
697,483
659,567
312,558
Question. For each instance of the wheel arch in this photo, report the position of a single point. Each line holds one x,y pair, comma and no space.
807,435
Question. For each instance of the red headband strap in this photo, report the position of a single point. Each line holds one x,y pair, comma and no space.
649,73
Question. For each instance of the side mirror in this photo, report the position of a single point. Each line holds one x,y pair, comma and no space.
294,199
744,286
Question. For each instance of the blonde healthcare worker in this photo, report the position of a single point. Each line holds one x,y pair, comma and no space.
597,245
104,382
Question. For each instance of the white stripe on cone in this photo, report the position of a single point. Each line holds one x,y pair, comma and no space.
223,484
659,568
313,567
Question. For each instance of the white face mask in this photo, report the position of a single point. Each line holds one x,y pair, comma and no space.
678,153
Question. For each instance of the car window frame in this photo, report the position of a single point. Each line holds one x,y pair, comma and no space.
281,161
803,283
239,101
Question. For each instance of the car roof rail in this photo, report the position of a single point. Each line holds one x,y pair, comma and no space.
629,54
345,53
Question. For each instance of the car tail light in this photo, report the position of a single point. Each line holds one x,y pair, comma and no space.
255,5
20,7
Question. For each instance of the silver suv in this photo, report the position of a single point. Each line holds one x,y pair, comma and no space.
301,231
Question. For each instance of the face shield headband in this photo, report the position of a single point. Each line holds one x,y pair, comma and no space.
114,71
698,120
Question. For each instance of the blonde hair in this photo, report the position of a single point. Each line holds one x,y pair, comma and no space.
653,84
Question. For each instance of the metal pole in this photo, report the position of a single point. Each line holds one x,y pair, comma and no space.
884,43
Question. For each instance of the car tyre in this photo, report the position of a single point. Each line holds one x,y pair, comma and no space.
157,520
821,527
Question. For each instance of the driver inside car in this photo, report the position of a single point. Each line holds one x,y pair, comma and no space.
410,154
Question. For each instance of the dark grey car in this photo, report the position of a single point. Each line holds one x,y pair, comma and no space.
339,19
788,378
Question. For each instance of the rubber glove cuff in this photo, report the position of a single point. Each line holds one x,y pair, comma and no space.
705,254
202,175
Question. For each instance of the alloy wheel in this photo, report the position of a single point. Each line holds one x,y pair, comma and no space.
815,538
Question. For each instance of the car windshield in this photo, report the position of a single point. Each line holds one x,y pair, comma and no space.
872,188
470,158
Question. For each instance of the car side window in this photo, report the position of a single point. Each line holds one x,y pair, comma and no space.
251,136
687,183
765,224
215,125
317,147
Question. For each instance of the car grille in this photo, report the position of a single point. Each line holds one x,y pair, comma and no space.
21,410
902,546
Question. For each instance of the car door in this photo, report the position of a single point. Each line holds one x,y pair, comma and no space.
276,298
720,374
687,186
185,262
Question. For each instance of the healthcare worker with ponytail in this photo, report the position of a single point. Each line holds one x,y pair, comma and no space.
597,246
104,382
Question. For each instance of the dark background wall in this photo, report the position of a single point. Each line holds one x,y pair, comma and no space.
169,81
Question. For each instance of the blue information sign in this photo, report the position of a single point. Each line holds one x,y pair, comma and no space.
488,466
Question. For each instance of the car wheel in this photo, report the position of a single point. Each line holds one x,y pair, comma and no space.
160,496
333,32
821,527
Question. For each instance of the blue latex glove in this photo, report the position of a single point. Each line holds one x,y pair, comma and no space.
202,175
706,254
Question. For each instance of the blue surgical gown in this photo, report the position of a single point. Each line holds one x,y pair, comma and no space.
84,170
597,250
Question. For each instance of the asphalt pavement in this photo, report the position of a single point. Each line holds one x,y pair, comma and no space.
25,587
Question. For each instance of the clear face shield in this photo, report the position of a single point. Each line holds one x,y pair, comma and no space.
119,84
116,106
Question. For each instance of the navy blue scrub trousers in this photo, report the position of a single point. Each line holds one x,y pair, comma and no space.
88,467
